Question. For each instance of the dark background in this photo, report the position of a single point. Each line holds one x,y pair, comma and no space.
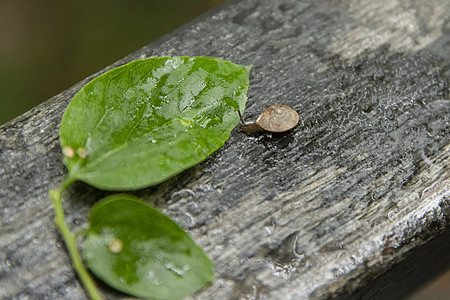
48,45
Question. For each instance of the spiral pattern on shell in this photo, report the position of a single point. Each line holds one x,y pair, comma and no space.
278,118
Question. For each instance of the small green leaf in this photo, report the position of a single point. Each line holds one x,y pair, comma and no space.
142,252
141,123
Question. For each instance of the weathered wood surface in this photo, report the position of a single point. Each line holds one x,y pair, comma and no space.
347,204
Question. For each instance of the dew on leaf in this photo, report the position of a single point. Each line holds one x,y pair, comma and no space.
185,122
120,131
120,115
161,259
153,278
180,272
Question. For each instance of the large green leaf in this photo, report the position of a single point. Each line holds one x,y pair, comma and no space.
140,251
141,123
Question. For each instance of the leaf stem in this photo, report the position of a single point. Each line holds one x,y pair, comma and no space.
70,241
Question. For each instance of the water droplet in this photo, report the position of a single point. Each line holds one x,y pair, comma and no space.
175,270
59,244
191,218
194,209
153,278
182,194
269,229
153,141
203,188
391,214
338,272
8,263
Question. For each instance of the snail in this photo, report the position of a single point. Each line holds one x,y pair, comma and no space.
275,118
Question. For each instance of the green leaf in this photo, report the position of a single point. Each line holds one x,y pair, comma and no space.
141,123
142,252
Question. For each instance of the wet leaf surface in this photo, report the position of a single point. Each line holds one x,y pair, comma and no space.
140,251
141,123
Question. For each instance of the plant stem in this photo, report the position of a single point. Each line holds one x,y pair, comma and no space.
70,241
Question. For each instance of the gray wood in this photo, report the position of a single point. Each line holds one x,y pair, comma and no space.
345,205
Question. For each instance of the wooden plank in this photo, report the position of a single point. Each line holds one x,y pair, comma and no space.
334,208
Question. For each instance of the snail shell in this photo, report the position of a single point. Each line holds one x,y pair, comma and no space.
275,118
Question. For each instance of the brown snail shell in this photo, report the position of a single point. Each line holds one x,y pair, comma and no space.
275,118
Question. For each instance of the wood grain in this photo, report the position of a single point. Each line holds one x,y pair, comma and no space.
329,210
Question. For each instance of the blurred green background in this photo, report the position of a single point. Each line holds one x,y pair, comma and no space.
47,46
